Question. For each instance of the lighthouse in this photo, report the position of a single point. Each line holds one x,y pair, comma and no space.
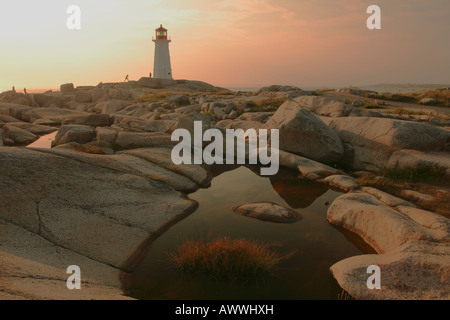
162,68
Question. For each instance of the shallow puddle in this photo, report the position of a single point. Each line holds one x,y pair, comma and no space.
312,244
44,142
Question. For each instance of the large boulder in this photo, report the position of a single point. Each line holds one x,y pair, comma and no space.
309,169
417,270
93,120
56,115
17,98
111,106
18,135
74,133
6,118
413,159
100,94
383,227
106,136
36,129
305,134
342,182
256,116
268,211
67,88
375,139
42,99
163,158
240,124
52,217
188,122
135,140
330,108
83,96
13,110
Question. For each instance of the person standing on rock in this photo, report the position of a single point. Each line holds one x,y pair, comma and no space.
25,90
126,79
150,74
14,89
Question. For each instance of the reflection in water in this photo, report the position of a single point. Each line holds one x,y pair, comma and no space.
312,245
44,142
298,194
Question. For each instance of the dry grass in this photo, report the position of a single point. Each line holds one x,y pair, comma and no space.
226,258
155,97
419,179
325,90
88,149
344,295
265,105
442,98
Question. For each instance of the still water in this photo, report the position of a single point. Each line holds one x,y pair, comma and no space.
312,245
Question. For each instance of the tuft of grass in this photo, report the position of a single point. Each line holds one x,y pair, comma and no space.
395,181
225,258
393,97
424,173
154,97
325,90
344,296
370,106
402,112
442,98
265,105
88,149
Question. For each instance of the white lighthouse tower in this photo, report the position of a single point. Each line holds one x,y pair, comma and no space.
162,68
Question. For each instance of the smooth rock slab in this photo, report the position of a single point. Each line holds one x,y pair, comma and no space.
162,157
74,133
19,135
34,268
268,211
308,169
135,140
93,120
418,196
418,270
342,182
100,213
382,227
305,134
386,198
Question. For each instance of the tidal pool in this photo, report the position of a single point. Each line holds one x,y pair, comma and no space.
44,142
311,245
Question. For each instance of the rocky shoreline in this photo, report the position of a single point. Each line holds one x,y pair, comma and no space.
108,187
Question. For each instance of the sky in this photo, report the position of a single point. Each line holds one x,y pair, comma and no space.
228,43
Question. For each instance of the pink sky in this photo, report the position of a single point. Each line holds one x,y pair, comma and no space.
230,43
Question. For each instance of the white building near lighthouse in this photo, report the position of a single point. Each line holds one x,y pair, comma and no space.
162,68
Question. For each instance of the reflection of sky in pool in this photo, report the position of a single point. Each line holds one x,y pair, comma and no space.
312,244
44,142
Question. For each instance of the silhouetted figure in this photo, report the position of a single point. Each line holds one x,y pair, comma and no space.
150,74
14,89
126,79
24,90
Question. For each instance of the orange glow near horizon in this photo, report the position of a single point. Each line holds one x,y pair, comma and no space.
229,43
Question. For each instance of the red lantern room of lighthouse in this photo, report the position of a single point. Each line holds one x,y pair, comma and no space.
161,33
